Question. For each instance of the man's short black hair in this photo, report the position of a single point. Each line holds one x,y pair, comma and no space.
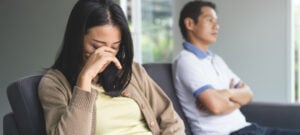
192,10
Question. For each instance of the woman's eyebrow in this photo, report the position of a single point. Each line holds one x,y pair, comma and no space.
102,42
98,41
117,42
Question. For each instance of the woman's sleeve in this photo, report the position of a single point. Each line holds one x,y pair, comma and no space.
66,114
169,121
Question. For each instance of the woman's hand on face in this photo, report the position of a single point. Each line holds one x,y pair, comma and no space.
95,64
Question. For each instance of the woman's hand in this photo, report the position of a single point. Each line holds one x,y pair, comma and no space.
96,63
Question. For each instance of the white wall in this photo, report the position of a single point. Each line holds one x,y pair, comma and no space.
254,40
177,6
31,32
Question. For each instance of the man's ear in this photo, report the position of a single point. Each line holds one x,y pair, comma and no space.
189,23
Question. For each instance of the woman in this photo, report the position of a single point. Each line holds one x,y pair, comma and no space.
94,87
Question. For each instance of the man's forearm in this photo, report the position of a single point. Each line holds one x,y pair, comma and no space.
241,95
216,102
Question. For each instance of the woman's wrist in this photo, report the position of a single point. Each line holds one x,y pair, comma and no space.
84,82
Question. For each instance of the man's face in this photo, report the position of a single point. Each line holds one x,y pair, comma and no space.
206,29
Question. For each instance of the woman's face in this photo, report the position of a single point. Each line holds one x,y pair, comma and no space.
108,35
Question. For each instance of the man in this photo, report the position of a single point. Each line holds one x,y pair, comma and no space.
209,92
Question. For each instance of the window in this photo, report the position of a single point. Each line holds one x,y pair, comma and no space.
296,32
151,26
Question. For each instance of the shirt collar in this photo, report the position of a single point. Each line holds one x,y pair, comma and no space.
199,53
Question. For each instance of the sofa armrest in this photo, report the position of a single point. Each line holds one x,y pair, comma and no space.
284,115
10,125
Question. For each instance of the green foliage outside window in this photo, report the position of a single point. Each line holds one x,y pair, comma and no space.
297,41
157,43
157,37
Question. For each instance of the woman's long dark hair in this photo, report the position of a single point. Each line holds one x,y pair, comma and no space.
85,15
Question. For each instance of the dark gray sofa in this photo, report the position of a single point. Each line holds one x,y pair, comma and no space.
27,117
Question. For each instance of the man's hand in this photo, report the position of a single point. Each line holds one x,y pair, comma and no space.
242,94
200,106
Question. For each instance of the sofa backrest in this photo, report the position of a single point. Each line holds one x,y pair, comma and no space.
161,73
27,111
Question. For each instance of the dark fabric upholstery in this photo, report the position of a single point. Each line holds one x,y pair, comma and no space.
284,115
162,75
9,125
26,107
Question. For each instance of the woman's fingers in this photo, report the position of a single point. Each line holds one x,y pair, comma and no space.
106,55
117,63
106,60
106,49
98,61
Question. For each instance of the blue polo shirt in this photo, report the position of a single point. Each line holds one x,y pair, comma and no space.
195,71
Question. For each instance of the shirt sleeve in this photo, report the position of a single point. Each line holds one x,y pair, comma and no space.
189,74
